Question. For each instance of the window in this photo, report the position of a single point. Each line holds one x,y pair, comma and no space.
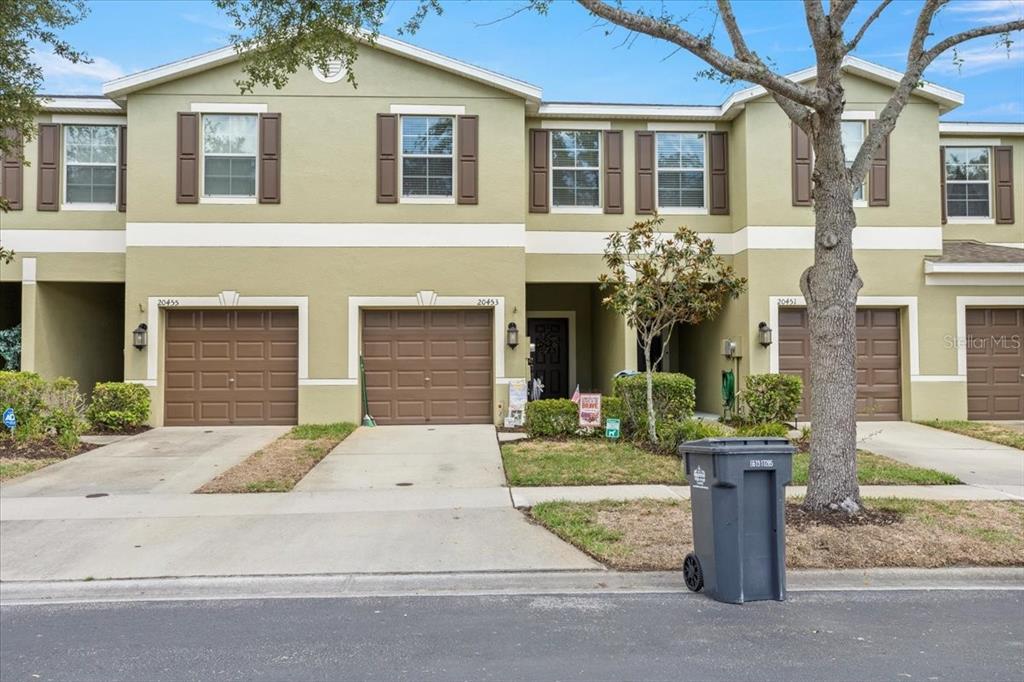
853,138
90,162
575,168
427,166
967,182
229,155
680,170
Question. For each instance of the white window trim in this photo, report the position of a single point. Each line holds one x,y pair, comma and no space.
682,210
428,110
556,124
681,127
571,342
862,118
578,210
429,199
971,220
859,115
227,198
229,108
65,205
88,120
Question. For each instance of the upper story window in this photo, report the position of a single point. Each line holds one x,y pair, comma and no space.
229,155
853,138
967,182
90,163
427,157
575,168
681,159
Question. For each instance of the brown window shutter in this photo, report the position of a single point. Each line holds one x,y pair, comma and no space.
469,152
188,158
12,173
270,158
719,180
878,176
539,169
802,166
48,189
645,172
122,168
387,158
942,182
1003,190
613,166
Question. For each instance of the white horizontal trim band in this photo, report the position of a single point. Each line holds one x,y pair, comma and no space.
570,124
65,241
510,235
974,268
981,128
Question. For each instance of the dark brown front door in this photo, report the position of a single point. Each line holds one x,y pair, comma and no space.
995,363
231,367
429,366
550,337
878,359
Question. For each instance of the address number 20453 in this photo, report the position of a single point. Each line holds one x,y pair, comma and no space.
489,302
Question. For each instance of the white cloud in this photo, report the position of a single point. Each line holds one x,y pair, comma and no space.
987,11
1010,109
54,66
984,56
216,23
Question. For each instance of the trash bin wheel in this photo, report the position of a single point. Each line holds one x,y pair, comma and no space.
693,576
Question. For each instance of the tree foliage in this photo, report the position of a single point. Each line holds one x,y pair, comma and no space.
657,280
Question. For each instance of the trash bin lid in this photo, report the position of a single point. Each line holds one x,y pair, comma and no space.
738,445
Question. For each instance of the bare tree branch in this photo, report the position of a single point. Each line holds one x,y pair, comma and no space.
732,27
852,44
839,12
731,66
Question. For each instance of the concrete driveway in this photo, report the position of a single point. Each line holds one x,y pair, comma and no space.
164,460
973,461
410,457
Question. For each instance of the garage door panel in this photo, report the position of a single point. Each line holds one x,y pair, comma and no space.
995,363
231,367
414,346
878,373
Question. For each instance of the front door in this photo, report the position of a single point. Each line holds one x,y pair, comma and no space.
550,336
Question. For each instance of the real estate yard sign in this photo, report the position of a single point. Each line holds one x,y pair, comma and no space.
590,410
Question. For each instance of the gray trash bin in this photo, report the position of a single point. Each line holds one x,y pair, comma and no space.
737,494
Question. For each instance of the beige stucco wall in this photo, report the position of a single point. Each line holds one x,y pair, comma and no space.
1012,233
67,267
328,277
328,133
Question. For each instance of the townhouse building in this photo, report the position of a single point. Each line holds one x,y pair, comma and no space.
268,258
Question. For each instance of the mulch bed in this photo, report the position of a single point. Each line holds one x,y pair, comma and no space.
43,448
799,518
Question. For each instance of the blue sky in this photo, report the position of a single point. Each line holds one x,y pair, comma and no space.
568,54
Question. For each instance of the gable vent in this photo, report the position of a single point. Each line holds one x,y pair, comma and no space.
334,73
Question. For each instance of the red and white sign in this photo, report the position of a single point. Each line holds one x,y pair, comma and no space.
590,410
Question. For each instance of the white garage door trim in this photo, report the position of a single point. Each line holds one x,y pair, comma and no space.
908,302
962,304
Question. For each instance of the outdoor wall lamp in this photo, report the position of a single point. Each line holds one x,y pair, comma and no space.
512,335
764,334
140,336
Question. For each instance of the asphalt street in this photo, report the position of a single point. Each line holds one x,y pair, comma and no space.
859,635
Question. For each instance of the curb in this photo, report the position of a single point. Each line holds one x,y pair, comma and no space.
479,584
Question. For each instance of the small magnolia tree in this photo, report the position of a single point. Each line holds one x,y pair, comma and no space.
657,280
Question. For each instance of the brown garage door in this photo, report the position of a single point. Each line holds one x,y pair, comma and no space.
428,366
995,363
231,367
878,359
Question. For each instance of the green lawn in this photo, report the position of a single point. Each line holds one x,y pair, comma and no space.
12,468
537,462
875,469
580,461
995,433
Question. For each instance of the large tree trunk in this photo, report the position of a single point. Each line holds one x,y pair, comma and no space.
830,287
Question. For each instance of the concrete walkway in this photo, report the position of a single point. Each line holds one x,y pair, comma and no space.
164,460
435,457
975,462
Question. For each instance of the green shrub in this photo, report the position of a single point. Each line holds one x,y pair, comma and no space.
674,399
26,393
611,408
763,430
117,406
672,434
771,397
63,413
557,417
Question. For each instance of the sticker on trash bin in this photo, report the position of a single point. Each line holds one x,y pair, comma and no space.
762,464
699,477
